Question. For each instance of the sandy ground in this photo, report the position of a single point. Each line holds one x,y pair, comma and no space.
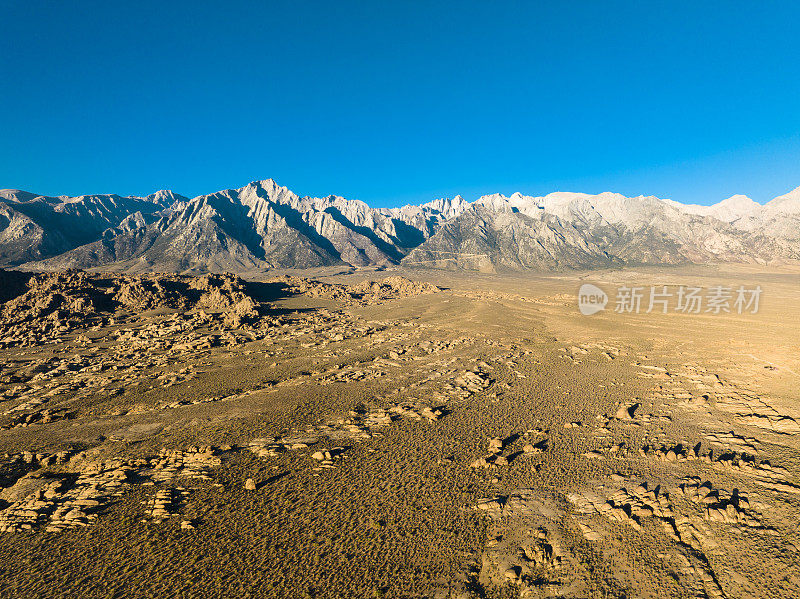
487,440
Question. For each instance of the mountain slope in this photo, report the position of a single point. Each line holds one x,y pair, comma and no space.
22,239
53,225
261,225
264,225
573,230
484,238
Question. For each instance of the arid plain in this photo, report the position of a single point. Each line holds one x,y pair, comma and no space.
434,434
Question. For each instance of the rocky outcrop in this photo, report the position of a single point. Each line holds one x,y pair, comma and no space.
364,293
41,306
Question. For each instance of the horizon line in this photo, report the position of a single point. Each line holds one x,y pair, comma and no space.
433,199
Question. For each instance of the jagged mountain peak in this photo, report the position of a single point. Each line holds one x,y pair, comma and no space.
447,207
165,197
270,186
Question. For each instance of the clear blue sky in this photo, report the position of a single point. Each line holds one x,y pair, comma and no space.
401,102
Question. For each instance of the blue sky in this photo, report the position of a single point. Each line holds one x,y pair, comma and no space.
402,102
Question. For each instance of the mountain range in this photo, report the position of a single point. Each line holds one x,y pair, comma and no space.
264,226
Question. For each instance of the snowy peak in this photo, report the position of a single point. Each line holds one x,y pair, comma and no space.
729,210
572,207
739,201
735,208
787,204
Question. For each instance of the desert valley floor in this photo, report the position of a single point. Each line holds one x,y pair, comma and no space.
438,435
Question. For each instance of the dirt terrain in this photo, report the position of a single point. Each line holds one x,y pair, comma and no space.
420,434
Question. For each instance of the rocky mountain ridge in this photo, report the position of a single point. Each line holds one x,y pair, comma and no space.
264,225
574,230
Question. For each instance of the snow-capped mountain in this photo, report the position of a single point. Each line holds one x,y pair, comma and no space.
730,210
575,230
264,225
